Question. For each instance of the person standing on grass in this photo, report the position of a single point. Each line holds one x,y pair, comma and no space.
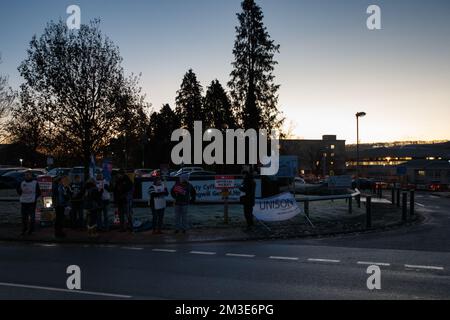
183,193
93,205
76,202
158,193
248,200
122,189
29,192
61,198
103,217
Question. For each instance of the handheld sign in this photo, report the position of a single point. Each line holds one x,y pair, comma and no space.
225,182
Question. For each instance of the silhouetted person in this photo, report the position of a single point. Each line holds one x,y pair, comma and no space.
122,189
183,193
248,200
61,198
76,203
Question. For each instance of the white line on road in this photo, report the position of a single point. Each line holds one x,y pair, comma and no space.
46,245
409,266
324,260
164,250
238,255
133,248
381,264
283,258
204,253
111,295
420,205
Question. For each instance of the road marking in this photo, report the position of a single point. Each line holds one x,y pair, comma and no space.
283,258
420,205
132,248
409,266
381,264
324,260
164,250
111,295
238,255
204,253
46,245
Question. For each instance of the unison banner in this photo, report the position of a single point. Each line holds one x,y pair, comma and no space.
278,208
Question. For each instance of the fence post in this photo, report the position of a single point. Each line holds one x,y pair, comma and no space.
398,198
393,195
404,206
306,203
412,203
368,212
350,205
358,200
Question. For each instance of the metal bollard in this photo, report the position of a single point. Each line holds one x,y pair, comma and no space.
398,198
368,212
380,192
404,206
393,196
350,205
358,200
306,203
412,203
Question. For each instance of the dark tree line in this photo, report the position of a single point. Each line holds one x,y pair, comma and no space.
76,100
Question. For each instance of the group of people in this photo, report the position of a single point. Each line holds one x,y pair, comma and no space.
87,204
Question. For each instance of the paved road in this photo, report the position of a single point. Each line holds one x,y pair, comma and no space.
415,264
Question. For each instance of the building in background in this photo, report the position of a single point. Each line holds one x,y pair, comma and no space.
317,158
381,161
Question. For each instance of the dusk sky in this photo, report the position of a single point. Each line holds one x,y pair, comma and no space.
330,65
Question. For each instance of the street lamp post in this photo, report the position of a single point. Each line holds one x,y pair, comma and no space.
358,115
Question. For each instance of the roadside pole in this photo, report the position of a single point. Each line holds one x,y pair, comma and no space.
226,194
368,212
404,206
412,203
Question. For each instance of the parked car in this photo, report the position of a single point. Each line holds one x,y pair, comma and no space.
58,172
363,184
187,170
79,171
6,170
201,174
12,179
143,173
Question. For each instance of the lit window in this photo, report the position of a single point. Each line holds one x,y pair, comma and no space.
421,173
332,147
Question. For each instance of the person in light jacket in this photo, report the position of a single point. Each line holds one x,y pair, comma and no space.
158,193
29,192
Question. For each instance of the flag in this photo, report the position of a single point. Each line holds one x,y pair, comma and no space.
92,168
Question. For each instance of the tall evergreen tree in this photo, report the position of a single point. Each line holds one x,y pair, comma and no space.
189,101
217,107
162,124
253,91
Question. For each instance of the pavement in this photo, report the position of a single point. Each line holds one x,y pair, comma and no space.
414,263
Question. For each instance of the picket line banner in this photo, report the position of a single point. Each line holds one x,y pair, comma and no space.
278,208
206,190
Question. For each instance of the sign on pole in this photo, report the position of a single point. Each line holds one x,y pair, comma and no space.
225,182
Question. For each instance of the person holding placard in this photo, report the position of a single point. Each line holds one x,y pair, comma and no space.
158,193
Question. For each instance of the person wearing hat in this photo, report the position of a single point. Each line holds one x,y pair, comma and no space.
183,193
29,192
158,193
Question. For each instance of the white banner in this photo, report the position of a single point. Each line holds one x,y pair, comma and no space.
206,190
278,208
